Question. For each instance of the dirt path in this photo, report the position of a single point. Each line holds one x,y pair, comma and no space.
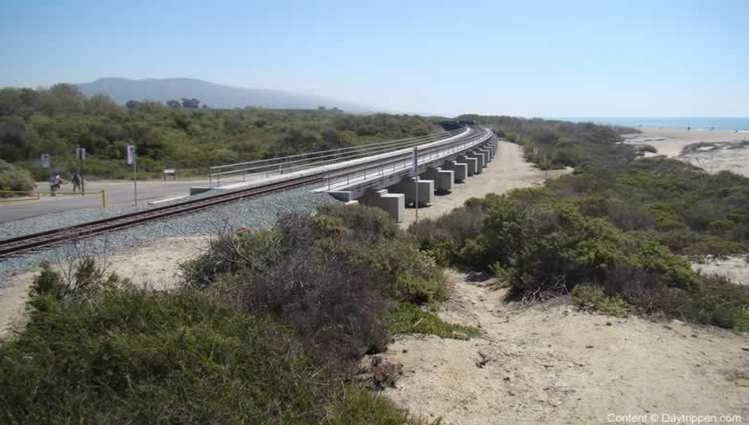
549,363
154,265
509,170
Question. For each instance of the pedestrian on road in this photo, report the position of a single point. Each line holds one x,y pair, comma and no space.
77,182
55,183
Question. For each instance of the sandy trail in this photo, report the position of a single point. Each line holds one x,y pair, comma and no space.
509,170
548,363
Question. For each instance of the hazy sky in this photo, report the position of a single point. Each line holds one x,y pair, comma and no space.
528,58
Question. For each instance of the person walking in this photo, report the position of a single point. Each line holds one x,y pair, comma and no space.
77,182
55,183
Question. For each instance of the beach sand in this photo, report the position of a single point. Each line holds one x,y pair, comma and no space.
671,142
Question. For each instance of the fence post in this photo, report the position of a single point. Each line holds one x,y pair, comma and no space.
103,198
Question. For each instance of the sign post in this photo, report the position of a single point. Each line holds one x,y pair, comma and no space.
45,161
80,155
416,181
132,160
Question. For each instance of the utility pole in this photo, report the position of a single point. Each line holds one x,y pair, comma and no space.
132,160
80,155
416,181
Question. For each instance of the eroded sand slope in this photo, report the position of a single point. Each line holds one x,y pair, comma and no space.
549,363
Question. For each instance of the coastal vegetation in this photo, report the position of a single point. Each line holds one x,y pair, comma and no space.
268,327
14,180
56,120
614,232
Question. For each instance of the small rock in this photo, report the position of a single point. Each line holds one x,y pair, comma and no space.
745,348
608,323
588,346
506,379
405,351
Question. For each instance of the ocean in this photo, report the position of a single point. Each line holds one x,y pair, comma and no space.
696,123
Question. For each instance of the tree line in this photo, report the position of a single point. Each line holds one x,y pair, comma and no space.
57,119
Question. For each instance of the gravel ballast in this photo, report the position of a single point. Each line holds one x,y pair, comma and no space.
256,213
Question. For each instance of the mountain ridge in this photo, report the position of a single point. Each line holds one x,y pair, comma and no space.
211,94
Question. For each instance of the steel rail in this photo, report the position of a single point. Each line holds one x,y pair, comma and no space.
13,246
281,164
441,133
292,166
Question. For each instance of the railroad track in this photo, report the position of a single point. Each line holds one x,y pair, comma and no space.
23,244
28,243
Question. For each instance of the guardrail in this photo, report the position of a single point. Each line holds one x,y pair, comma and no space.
36,195
291,163
401,163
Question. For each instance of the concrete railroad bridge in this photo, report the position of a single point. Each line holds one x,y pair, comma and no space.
380,174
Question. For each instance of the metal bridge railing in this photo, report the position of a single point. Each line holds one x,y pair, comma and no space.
348,178
298,162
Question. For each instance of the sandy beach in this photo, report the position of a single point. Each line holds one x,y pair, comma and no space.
672,141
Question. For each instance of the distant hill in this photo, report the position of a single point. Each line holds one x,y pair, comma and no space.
214,95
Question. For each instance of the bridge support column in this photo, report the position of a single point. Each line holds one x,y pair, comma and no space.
408,188
443,179
473,164
487,155
482,158
492,148
393,203
479,160
459,169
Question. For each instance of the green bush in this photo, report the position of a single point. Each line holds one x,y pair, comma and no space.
97,350
14,179
546,246
408,318
593,297
332,277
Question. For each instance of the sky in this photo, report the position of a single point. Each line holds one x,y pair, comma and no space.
600,58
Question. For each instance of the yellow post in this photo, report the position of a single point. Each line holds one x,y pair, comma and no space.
103,198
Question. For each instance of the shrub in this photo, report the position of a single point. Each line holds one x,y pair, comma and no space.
593,297
332,278
412,319
14,179
544,246
123,355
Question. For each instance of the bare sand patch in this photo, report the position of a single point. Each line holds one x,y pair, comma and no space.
671,141
154,265
549,363
734,267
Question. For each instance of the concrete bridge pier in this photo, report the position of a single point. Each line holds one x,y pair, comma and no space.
408,188
459,169
473,164
480,163
443,179
393,203
482,156
487,155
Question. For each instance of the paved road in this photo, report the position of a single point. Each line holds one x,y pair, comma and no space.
119,194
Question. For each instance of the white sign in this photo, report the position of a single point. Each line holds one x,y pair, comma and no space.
80,153
45,160
130,154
